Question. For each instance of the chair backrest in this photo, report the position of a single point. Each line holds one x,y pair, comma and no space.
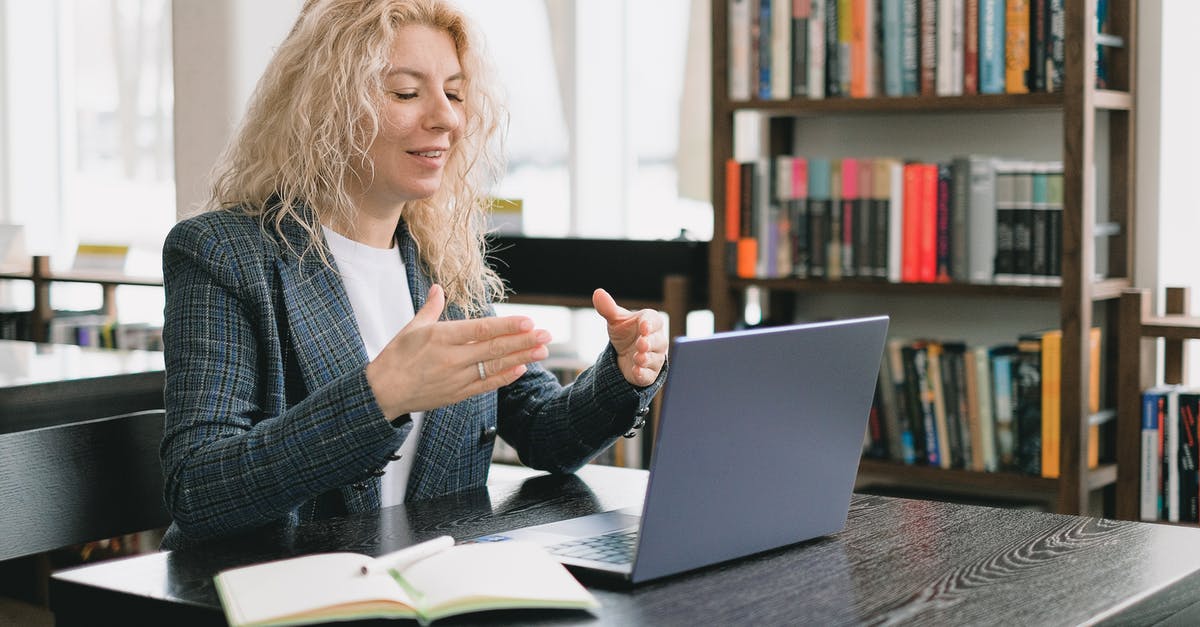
79,482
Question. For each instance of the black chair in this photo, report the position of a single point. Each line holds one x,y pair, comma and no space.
78,482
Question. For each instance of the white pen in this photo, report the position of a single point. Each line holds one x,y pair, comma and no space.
399,560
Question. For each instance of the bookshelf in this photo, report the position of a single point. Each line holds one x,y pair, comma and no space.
41,276
1138,359
1097,131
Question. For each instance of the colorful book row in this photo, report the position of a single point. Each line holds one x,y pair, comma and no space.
1169,479
974,219
981,408
782,49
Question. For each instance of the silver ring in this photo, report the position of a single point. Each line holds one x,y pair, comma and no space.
482,372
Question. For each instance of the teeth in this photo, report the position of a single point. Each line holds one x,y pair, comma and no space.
431,154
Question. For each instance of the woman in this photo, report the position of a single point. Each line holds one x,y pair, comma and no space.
329,338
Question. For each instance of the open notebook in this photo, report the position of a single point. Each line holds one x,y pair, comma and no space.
758,446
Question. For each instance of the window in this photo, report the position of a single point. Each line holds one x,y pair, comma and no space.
595,91
87,128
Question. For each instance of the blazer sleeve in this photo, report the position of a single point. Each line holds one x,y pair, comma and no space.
560,428
228,463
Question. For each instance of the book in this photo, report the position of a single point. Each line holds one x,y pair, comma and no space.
1051,401
1016,46
991,46
1003,404
820,208
1189,449
739,49
816,51
801,10
1027,381
1154,406
428,581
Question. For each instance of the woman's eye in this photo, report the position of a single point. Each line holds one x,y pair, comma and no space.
402,95
454,96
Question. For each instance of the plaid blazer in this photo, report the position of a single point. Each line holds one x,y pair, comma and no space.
269,418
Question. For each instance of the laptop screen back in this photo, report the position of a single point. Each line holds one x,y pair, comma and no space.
759,441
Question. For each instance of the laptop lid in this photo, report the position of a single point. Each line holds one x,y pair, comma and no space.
758,441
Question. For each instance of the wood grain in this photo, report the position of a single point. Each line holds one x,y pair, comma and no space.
898,561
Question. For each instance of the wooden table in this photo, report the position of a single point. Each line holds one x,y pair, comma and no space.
78,450
898,561
43,385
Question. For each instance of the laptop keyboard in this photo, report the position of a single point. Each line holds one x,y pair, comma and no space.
615,548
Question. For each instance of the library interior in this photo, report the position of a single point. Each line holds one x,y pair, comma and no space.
185,391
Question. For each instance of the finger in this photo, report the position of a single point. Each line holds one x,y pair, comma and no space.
607,307
431,311
499,365
485,329
504,345
497,380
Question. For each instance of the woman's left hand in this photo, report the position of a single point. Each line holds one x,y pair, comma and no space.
639,337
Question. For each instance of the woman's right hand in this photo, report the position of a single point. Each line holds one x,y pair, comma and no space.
433,363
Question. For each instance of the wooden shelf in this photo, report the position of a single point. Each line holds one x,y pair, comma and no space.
1105,289
904,104
1138,359
1083,301
39,273
877,472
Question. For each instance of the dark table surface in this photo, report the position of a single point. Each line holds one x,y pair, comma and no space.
898,561
44,385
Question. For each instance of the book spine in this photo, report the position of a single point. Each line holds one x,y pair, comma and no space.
859,50
1051,402
1056,45
845,33
799,217
971,47
927,244
762,51
1171,456
987,419
833,246
928,47
926,398
816,50
1040,229
881,182
1054,224
893,49
833,60
801,9
864,226
958,352
733,204
818,215
1150,501
1005,176
980,209
1023,225
904,414
739,49
1028,379
1016,46
1189,480
910,64
850,216
910,255
747,252
944,224
781,50
947,432
1038,32
1003,396
895,220
991,46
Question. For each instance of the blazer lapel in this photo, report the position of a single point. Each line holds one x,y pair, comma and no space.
321,323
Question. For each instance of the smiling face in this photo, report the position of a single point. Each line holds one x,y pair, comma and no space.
419,121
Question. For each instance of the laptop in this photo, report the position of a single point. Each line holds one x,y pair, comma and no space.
758,445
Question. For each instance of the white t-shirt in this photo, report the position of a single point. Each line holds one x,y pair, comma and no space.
377,284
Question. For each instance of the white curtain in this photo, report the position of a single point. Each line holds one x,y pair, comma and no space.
695,108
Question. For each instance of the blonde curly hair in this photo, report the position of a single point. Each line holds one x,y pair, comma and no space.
316,111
